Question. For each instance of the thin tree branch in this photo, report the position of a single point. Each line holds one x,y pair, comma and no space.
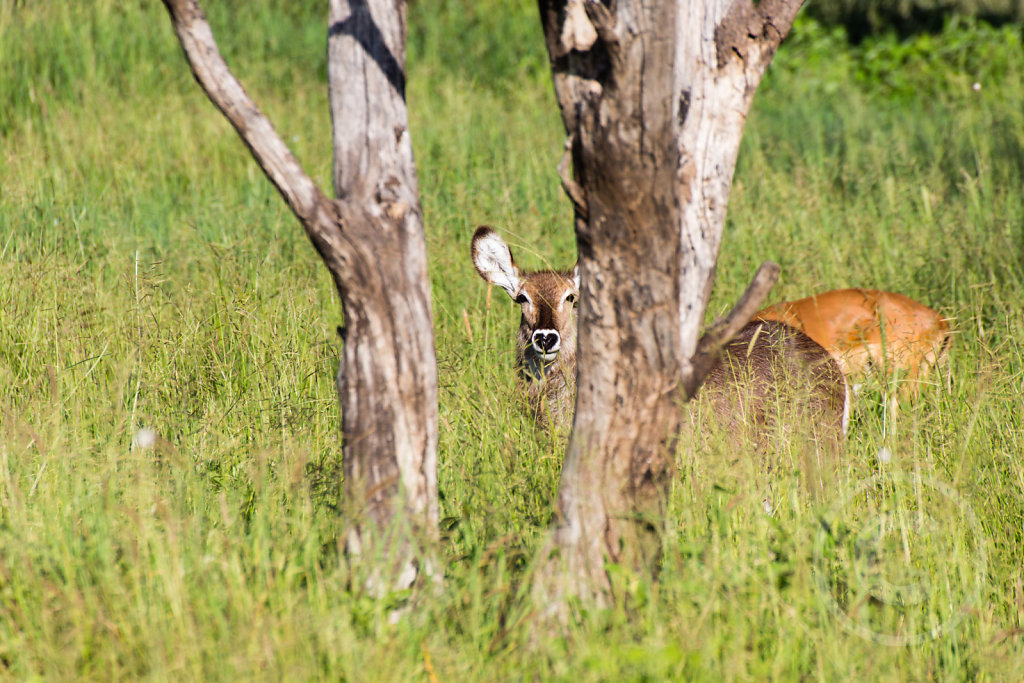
318,214
723,330
571,187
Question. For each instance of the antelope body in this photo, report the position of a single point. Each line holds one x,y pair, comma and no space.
767,362
865,328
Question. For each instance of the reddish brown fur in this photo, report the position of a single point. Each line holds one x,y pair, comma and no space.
865,328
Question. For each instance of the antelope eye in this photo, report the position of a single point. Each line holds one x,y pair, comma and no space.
522,298
571,298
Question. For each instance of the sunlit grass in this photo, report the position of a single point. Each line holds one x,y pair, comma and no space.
150,278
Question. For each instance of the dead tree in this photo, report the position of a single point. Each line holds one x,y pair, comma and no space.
654,96
371,239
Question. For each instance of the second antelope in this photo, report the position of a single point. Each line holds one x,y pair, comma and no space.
866,328
768,363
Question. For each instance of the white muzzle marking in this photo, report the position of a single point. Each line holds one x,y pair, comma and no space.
538,339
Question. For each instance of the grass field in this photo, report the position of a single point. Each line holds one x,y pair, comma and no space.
151,278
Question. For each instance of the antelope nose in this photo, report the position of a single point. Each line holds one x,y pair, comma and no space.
546,341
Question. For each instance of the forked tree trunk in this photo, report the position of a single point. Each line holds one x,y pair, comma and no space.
371,239
654,96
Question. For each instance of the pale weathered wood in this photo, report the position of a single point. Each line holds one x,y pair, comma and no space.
389,361
371,239
654,109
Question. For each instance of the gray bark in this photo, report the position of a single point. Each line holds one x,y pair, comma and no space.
654,107
371,239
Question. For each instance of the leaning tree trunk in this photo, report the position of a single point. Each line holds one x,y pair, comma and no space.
371,239
654,96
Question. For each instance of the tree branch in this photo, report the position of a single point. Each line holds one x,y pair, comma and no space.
318,214
723,330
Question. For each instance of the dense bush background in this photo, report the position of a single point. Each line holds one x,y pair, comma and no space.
862,18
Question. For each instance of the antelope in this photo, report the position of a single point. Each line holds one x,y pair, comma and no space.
744,386
866,328
546,341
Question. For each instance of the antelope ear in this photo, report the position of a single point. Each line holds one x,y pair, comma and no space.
576,276
493,260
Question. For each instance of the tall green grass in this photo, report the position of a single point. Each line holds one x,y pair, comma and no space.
151,278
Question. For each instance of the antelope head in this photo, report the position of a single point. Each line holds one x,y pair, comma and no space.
547,329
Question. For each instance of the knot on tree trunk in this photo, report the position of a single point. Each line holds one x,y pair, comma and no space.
578,33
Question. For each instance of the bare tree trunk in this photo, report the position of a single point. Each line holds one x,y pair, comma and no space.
371,239
654,97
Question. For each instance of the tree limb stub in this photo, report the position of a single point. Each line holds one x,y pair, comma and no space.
723,330
571,187
744,25
779,16
577,31
318,214
603,20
